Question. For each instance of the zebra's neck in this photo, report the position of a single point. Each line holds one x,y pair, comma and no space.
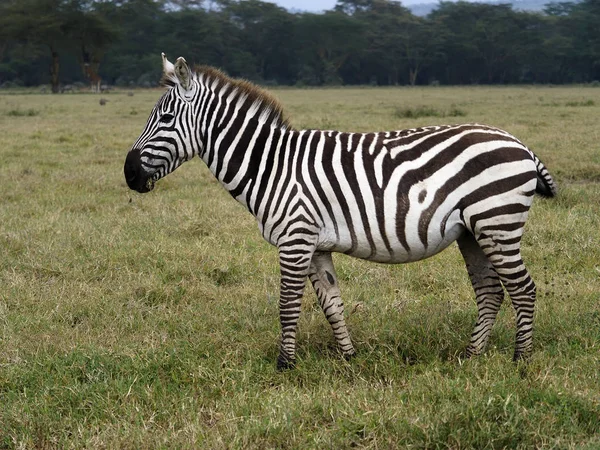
241,127
244,155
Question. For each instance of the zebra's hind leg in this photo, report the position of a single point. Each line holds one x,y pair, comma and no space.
488,291
324,280
504,252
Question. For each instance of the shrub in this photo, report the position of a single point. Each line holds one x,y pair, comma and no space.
416,112
588,102
22,113
428,111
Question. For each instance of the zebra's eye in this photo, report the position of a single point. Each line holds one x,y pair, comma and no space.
166,118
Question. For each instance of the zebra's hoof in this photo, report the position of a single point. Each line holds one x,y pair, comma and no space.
521,357
471,351
285,363
468,353
349,356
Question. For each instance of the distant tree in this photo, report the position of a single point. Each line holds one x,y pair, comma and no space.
90,36
559,8
191,33
482,41
58,26
5,26
351,7
325,42
142,25
265,32
48,19
550,56
419,42
390,49
584,21
358,42
184,4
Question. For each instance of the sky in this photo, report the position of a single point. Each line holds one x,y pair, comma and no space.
306,5
321,5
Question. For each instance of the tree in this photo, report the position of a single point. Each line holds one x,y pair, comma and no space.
352,7
584,20
142,25
91,35
60,27
358,42
184,4
483,42
419,44
389,46
325,42
266,33
47,17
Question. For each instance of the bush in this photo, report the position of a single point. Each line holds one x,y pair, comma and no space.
588,102
11,84
148,79
428,111
123,81
416,112
22,113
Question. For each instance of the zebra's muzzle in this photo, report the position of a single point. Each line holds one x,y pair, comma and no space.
136,177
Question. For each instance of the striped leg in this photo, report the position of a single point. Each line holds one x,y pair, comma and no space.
324,280
488,291
505,254
294,262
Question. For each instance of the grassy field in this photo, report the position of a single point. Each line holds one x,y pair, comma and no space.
150,321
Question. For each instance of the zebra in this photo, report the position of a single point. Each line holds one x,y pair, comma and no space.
390,197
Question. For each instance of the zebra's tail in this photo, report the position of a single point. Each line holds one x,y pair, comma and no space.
546,186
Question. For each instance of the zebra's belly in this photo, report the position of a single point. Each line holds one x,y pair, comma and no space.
388,249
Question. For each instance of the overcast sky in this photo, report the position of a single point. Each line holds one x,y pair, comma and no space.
322,5
306,5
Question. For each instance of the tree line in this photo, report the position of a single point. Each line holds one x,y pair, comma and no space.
376,42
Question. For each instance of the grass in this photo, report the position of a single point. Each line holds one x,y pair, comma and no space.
151,321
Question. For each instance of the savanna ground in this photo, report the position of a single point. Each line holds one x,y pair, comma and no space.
142,321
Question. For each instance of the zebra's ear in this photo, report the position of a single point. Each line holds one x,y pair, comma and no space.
168,76
183,73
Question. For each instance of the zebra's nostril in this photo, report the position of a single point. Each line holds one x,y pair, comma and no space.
129,173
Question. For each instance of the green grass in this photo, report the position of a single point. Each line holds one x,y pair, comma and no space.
141,321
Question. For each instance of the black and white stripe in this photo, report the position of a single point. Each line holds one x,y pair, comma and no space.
392,197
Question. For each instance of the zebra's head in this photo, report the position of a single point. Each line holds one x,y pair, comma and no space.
168,138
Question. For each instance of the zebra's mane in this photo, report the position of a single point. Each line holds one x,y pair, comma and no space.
268,106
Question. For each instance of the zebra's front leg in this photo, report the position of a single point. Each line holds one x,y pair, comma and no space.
324,280
488,291
294,263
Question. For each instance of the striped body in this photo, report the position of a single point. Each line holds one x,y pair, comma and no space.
390,197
